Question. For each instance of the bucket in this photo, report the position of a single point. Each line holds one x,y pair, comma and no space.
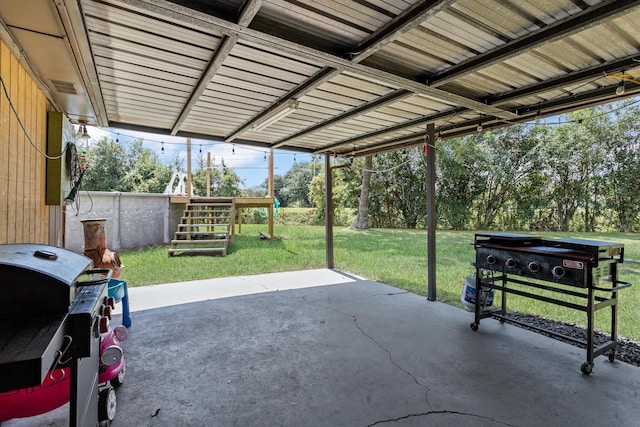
468,295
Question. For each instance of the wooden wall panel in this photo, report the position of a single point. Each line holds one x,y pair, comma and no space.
24,217
5,68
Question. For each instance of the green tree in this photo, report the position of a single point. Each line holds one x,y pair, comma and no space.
459,180
295,186
508,158
111,167
317,194
573,157
107,165
623,170
147,173
223,180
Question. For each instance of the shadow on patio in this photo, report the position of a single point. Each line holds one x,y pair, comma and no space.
284,350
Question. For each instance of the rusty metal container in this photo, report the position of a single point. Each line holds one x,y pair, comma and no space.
95,247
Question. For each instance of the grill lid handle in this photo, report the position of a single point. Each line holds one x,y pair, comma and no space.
45,255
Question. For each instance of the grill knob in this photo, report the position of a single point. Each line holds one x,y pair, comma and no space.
534,267
511,263
558,271
491,260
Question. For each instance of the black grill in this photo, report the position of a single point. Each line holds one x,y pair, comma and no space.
523,265
49,316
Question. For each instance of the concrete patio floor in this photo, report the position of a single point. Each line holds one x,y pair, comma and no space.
322,348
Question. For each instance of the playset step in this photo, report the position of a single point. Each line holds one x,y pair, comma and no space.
205,227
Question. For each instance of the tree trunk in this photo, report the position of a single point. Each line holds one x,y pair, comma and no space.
362,220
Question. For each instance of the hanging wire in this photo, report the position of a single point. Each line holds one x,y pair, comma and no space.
26,134
386,170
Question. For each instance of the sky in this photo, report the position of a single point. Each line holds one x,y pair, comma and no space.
249,163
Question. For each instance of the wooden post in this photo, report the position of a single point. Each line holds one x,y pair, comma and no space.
272,195
328,214
431,212
189,190
208,174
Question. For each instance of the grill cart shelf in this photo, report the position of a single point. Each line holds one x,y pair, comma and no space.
525,265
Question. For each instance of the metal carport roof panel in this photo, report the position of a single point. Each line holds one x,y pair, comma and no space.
365,76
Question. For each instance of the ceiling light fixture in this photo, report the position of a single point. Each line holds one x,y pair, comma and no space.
82,131
277,114
620,89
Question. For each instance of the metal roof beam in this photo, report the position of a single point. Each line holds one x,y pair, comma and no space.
376,41
224,49
308,85
595,72
581,100
207,23
556,31
362,109
392,129
403,23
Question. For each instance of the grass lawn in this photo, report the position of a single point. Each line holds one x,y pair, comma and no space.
395,257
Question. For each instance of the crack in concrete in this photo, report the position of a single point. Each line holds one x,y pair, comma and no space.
427,389
391,293
424,414
394,363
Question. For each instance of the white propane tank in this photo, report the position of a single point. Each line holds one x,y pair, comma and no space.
468,295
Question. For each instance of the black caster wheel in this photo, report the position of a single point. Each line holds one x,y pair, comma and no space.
474,326
586,368
107,405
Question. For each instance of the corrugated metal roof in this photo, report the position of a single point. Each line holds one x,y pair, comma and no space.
367,74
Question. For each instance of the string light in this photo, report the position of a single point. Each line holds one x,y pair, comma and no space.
265,156
200,148
162,149
233,149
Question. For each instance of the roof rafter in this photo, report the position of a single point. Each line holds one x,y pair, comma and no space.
362,109
597,71
224,49
560,29
404,22
207,23
392,129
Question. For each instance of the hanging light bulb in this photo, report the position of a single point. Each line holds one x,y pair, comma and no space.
479,128
200,148
162,149
265,156
233,149
117,138
82,132
294,158
620,89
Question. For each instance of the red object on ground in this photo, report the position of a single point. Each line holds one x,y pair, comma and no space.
56,387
